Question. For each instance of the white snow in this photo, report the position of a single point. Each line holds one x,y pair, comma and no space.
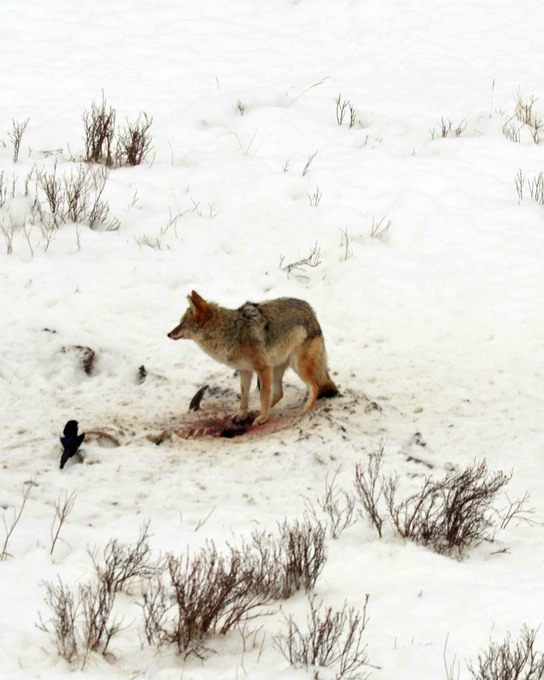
440,321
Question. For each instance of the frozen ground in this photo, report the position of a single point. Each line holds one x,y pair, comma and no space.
440,321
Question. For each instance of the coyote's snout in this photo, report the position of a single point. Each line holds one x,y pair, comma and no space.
263,338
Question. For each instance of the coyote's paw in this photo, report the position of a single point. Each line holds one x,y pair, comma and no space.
239,417
304,411
260,419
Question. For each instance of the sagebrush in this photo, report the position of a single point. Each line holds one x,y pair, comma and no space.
449,514
205,595
129,145
332,639
510,659
83,621
212,592
75,197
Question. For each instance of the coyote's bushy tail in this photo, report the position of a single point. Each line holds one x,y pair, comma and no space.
327,390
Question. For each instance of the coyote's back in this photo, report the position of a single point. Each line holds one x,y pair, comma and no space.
264,338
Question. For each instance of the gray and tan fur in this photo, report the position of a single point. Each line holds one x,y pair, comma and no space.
263,338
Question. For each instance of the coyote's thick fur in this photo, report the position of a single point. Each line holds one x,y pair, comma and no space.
264,338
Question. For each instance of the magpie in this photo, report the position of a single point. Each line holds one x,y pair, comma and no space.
71,441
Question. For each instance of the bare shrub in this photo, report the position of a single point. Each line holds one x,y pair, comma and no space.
94,211
293,560
537,131
98,626
450,514
369,487
9,527
8,225
266,561
156,605
60,600
134,141
131,144
16,136
333,639
8,232
343,108
304,552
75,197
339,506
524,110
84,622
512,130
315,198
536,188
511,659
121,565
82,196
49,200
525,117
209,594
81,623
526,114
99,127
446,128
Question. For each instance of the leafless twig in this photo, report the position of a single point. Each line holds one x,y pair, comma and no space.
312,260
62,510
339,507
380,228
306,168
10,528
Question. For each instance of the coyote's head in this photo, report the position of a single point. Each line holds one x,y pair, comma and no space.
193,319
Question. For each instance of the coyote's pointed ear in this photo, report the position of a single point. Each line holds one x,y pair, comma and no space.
195,300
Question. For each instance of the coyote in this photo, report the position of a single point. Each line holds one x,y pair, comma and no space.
264,338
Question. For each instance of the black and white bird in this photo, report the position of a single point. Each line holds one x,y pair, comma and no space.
71,441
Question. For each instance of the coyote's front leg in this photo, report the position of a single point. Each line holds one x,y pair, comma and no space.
265,382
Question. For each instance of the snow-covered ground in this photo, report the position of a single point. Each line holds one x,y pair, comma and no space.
439,321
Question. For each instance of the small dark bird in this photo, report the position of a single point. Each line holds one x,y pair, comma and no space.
71,441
